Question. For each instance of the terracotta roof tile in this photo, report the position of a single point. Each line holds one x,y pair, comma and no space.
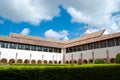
87,38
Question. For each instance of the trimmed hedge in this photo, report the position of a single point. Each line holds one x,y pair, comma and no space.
104,72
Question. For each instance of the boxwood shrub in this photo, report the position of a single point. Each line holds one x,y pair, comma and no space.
104,72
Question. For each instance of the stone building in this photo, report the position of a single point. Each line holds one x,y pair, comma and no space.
18,48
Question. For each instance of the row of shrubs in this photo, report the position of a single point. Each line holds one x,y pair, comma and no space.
100,60
104,72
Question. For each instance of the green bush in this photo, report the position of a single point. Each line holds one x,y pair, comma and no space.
100,61
104,72
118,58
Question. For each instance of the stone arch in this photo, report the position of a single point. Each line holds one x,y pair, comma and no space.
19,61
75,61
70,61
59,62
79,61
90,60
50,62
39,62
45,61
12,61
55,62
3,60
26,61
33,61
85,61
67,62
112,60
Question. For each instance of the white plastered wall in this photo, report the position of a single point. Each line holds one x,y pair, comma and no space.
25,54
98,53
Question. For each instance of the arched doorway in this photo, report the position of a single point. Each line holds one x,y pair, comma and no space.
11,61
79,61
39,62
33,61
85,61
90,61
45,61
75,61
112,60
67,62
19,61
26,61
59,62
50,62
3,60
55,62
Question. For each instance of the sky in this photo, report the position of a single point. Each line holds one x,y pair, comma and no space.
59,19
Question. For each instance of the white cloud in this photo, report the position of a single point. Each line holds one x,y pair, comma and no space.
62,35
96,13
32,11
25,31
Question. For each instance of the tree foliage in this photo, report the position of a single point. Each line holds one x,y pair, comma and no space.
118,58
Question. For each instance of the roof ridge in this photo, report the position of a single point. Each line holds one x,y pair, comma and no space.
14,35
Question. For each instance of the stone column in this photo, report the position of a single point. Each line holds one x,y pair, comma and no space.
42,58
16,57
81,57
63,53
107,52
30,57
72,59
93,55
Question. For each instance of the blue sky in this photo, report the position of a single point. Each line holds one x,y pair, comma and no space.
60,20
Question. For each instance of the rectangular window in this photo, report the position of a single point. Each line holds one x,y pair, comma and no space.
118,41
40,48
4,44
80,48
45,49
111,43
20,46
103,44
85,47
67,50
91,46
50,49
71,49
33,48
27,47
55,50
0,44
96,45
59,50
13,45
75,48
